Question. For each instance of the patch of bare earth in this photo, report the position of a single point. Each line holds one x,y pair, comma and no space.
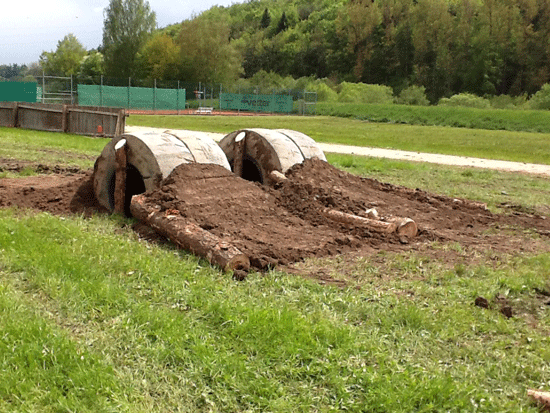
283,224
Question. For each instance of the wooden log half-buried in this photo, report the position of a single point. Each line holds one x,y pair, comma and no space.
372,224
189,236
120,176
542,397
240,150
404,227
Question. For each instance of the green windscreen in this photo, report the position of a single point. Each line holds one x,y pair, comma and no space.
256,103
131,97
18,92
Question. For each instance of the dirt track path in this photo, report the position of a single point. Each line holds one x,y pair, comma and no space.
529,168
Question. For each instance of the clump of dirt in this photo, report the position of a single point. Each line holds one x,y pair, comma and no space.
286,223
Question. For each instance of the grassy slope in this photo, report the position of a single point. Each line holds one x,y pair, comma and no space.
492,119
105,322
513,146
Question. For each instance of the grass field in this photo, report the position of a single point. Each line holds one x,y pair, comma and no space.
461,117
518,146
104,322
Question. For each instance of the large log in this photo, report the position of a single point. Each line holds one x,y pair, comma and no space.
542,397
355,220
120,177
240,149
404,227
189,236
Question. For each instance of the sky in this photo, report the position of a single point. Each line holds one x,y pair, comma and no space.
30,27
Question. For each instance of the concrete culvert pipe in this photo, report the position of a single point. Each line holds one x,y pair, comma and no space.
255,153
150,157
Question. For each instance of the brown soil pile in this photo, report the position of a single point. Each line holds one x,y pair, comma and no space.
61,194
284,223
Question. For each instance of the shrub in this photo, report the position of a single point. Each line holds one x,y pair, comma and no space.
324,91
413,95
465,100
363,93
541,99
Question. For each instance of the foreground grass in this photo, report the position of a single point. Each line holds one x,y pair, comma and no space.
104,322
95,320
491,144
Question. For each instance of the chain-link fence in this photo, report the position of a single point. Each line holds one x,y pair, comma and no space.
156,95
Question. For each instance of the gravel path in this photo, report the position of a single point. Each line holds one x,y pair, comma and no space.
529,168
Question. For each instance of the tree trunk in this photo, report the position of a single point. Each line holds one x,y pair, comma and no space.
189,236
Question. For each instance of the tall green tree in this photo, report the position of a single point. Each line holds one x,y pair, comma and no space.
266,19
127,26
160,58
356,24
206,52
92,66
432,37
66,59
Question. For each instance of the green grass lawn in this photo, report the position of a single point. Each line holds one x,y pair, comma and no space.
93,319
492,144
104,322
461,117
50,148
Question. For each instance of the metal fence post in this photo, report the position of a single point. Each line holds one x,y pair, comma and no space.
43,86
129,84
155,95
101,92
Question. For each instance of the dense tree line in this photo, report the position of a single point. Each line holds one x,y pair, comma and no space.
482,47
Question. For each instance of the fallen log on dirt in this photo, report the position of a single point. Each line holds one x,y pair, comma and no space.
401,226
542,397
405,226
372,224
189,236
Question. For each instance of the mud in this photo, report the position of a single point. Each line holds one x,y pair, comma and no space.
284,223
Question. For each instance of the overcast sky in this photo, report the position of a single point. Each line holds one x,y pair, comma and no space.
29,27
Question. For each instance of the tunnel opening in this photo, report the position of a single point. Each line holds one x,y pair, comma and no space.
134,186
251,170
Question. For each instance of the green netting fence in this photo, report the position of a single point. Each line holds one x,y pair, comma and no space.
131,97
256,103
18,91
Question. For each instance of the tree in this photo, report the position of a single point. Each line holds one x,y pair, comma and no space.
92,65
66,59
356,24
266,19
206,53
432,37
282,25
159,58
127,25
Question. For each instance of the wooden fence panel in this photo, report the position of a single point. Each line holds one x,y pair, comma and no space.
82,120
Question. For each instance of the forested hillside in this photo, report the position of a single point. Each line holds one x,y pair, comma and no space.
485,47
440,47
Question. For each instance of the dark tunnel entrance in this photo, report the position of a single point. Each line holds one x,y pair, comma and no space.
134,185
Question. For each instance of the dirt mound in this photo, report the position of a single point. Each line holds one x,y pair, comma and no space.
60,194
286,222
